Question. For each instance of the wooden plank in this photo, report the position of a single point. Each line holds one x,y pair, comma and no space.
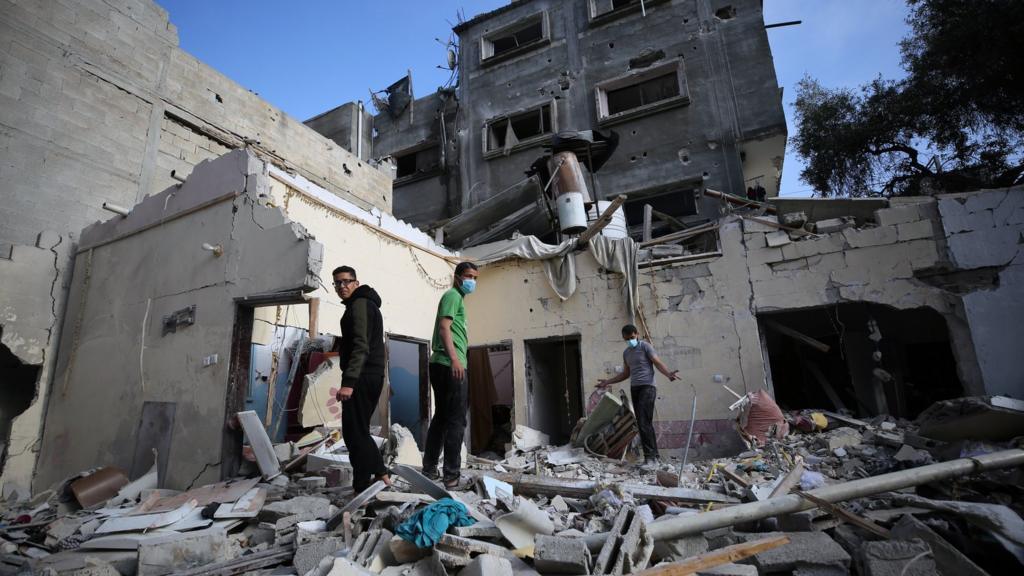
717,557
735,477
681,235
791,479
770,209
798,336
833,396
603,220
846,419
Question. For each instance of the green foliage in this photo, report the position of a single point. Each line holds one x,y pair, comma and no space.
955,123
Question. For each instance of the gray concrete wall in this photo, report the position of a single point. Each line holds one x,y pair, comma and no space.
985,231
729,74
342,125
98,104
116,356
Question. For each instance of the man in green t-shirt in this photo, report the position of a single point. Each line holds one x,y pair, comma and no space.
448,379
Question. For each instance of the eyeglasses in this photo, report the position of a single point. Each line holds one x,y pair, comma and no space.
346,282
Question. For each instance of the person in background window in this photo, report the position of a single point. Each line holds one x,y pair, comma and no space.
639,361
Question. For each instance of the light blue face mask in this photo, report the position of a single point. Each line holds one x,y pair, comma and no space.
633,342
468,285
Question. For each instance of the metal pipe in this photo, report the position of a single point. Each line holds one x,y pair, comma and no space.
115,208
697,523
689,435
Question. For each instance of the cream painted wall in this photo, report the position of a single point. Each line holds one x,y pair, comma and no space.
698,314
410,281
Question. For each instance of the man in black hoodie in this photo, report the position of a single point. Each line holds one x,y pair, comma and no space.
363,362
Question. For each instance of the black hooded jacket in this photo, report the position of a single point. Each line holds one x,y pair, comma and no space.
362,337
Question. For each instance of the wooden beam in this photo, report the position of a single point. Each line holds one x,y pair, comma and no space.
833,396
798,336
717,557
682,234
770,209
603,220
670,220
844,514
791,479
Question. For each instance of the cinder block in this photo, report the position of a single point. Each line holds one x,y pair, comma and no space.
804,549
754,226
897,215
307,556
557,555
877,236
915,230
950,560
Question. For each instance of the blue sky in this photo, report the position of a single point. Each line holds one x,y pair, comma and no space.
310,56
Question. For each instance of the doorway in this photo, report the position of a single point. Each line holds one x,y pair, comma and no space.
409,400
554,386
490,399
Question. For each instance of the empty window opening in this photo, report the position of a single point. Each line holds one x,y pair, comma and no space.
490,400
670,211
16,394
409,385
420,162
554,386
643,93
527,34
608,9
868,358
526,127
725,13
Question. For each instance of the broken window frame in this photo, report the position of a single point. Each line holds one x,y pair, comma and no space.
433,170
598,18
519,144
602,89
487,52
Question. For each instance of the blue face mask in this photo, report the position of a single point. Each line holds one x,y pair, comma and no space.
633,342
468,285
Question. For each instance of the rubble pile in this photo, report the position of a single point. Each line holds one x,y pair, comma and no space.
835,495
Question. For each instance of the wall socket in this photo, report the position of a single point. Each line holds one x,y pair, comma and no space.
210,360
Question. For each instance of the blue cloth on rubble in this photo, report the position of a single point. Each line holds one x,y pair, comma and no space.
425,527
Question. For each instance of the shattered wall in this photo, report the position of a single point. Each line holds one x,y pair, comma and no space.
401,263
98,104
131,275
984,234
702,315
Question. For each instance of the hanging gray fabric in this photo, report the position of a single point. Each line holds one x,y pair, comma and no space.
612,254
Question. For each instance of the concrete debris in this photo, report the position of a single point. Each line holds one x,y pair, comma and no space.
830,497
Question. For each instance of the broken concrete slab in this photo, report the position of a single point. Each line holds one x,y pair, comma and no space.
949,560
729,570
403,445
262,447
804,548
178,552
521,525
897,558
310,507
558,555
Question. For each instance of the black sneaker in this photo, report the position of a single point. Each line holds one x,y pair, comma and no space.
431,474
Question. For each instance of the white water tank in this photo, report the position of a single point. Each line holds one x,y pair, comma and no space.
572,217
617,228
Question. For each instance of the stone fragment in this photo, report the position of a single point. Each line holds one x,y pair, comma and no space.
305,506
405,551
557,555
912,456
833,225
313,482
729,570
777,238
404,446
487,565
843,438
794,219
897,558
680,548
307,556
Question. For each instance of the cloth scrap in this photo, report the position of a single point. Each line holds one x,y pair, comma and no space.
425,527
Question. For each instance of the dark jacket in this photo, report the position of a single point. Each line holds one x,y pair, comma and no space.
362,337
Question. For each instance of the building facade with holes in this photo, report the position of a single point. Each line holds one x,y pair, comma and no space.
688,86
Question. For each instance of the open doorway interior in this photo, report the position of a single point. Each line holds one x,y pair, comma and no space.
409,385
490,399
554,386
868,358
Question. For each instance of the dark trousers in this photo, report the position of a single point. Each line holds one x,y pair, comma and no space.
448,426
643,406
355,429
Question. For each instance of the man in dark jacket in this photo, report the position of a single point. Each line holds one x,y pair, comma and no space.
363,362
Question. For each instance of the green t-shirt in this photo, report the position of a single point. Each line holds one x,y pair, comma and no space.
450,306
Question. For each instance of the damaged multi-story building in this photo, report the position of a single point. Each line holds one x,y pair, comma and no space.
169,239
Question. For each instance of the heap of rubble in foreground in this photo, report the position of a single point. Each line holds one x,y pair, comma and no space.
835,496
